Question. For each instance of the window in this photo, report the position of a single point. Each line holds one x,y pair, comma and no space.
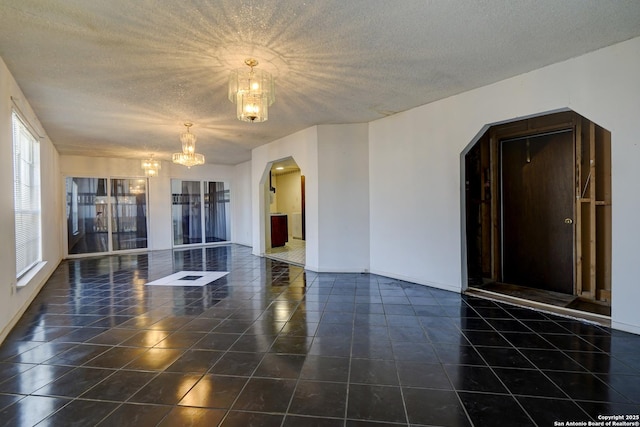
26,194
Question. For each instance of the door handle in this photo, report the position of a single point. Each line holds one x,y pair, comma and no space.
568,221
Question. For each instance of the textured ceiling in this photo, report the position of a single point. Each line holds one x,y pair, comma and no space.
119,77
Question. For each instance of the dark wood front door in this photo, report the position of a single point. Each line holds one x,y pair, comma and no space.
537,211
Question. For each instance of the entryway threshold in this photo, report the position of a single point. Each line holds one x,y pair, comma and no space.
283,259
542,307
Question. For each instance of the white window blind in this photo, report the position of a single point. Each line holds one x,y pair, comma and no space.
26,193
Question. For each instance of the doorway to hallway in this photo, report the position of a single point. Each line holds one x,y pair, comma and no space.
285,225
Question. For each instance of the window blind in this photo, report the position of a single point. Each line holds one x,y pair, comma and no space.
26,193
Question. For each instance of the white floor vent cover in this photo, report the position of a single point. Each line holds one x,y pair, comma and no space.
189,278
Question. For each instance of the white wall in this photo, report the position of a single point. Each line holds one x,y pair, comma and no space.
343,165
303,147
159,210
334,161
13,301
416,209
241,204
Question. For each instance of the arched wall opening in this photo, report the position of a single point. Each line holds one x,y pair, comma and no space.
284,211
536,213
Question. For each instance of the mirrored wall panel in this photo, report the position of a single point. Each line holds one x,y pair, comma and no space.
128,213
97,223
186,210
195,222
217,222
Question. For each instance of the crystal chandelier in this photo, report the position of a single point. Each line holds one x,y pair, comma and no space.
252,91
188,157
151,167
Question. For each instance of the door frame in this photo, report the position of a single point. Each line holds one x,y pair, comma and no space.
480,202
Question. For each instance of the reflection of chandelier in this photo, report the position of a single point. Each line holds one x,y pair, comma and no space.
252,91
188,157
151,167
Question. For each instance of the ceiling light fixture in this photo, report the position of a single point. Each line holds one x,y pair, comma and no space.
188,157
151,167
252,91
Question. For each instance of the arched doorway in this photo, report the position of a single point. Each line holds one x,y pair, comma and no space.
538,212
285,224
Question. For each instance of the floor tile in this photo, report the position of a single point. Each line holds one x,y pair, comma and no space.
474,378
527,340
9,399
423,375
33,379
155,359
8,370
136,415
434,407
605,408
41,353
286,344
375,403
528,382
627,385
280,366
235,363
323,368
195,361
273,344
216,341
74,383
165,389
585,386
297,421
494,410
183,416
31,410
506,357
372,371
418,352
253,343
116,357
265,395
214,391
120,386
545,412
486,338
319,399
551,360
251,419
81,413
458,354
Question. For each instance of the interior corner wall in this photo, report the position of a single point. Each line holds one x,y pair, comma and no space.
159,191
415,186
303,147
241,207
343,220
13,301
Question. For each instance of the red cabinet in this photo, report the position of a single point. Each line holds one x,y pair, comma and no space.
279,230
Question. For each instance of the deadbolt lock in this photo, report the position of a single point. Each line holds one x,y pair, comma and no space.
568,221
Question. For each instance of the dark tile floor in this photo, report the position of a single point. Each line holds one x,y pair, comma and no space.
273,345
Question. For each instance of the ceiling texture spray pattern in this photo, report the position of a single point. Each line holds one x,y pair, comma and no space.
119,78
